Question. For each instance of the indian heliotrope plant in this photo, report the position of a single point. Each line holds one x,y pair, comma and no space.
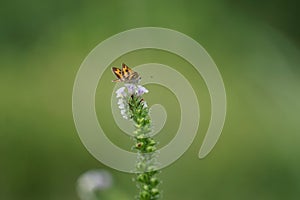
134,108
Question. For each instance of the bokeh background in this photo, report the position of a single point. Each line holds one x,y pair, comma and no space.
255,45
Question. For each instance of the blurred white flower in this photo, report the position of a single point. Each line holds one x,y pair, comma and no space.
124,114
141,90
120,101
121,92
131,88
145,104
91,181
121,105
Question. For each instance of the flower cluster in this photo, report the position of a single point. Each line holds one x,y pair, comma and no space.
133,107
125,93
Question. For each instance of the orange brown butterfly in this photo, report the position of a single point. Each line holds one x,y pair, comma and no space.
126,75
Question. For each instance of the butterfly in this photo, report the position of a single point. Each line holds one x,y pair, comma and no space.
126,74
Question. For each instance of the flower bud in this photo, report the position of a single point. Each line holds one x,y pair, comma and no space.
150,149
142,177
139,145
144,195
154,191
151,142
146,187
154,181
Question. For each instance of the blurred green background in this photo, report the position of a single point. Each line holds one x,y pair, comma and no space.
255,45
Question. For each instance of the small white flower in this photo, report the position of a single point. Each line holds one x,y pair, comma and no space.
120,101
122,106
121,92
124,114
145,104
131,88
141,90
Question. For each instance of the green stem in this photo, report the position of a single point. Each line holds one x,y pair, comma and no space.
146,179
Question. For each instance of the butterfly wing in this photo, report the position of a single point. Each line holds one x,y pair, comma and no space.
118,73
129,75
126,74
126,71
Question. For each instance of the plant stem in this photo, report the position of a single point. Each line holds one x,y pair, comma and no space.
146,179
